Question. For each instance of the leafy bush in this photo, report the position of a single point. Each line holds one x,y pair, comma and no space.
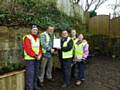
93,13
42,13
11,67
104,45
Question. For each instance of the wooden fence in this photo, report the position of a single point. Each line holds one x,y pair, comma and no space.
103,25
115,27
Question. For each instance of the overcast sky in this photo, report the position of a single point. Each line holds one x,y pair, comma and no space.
105,8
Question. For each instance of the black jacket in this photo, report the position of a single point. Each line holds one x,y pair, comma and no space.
67,48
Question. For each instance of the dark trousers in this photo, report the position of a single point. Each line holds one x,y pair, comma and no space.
75,71
66,68
81,68
31,75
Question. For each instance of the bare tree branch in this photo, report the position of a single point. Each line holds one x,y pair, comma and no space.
87,4
116,8
76,1
99,3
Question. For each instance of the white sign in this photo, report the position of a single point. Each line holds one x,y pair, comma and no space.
56,43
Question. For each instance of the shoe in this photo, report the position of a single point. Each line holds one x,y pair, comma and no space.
64,86
83,79
41,84
78,83
38,88
51,79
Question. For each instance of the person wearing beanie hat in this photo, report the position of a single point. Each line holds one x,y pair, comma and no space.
32,56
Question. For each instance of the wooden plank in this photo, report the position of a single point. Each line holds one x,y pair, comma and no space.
11,73
12,81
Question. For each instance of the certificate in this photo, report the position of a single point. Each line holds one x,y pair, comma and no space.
56,43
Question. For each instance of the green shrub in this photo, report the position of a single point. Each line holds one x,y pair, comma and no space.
27,12
11,67
104,45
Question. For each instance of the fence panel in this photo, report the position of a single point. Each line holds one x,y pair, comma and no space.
115,27
99,25
103,25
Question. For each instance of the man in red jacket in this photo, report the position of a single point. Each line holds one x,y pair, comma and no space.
32,55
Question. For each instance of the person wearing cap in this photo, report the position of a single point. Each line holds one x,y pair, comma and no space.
32,56
81,48
46,40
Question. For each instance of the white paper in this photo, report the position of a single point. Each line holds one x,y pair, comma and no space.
56,43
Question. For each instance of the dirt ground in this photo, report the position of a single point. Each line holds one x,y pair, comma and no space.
102,73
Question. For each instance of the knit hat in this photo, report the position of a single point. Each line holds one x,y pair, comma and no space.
34,27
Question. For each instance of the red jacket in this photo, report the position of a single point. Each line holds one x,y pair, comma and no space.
28,48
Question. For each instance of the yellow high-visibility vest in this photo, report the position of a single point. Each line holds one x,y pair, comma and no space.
78,50
68,54
35,47
74,40
47,41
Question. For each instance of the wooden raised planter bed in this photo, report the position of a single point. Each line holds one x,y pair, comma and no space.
12,81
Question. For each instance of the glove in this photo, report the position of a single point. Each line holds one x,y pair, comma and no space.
39,57
52,50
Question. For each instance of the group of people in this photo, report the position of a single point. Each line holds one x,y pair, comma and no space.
38,50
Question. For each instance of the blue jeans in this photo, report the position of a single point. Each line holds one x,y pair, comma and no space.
66,68
81,67
31,74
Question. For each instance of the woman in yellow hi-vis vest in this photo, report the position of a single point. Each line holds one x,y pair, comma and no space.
32,55
81,51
